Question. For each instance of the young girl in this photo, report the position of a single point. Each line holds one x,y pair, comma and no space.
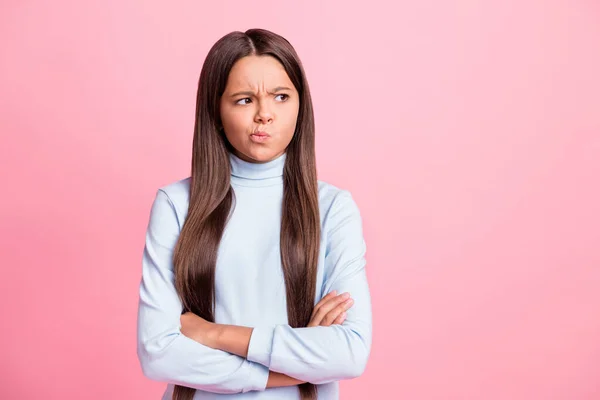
253,277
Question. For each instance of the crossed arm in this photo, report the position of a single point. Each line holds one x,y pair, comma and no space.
188,351
235,339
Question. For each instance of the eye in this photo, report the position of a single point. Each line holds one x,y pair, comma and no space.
246,98
285,96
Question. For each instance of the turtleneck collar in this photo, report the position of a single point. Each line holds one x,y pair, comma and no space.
246,173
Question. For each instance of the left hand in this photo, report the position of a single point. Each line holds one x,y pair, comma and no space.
197,328
331,310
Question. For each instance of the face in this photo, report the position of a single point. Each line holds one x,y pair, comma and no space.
259,97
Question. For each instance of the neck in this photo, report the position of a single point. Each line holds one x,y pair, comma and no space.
247,173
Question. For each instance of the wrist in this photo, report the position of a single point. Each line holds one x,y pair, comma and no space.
233,339
277,379
213,335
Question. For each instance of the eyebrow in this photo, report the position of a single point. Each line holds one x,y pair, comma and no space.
248,93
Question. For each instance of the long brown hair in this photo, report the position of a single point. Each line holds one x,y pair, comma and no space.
212,197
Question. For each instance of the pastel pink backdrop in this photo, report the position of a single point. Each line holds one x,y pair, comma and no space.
468,132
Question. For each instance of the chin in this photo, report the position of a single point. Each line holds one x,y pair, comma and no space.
262,155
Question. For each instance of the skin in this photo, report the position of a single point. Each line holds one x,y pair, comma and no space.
259,95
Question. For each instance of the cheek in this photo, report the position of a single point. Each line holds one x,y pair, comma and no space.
236,119
291,117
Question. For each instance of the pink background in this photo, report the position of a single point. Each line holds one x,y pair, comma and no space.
468,132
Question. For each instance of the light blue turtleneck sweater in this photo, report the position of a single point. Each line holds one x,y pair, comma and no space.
250,291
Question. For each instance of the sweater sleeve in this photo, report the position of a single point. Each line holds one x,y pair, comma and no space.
165,354
325,354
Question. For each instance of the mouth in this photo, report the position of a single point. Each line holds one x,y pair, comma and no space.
259,137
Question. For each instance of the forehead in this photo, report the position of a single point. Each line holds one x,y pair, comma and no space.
257,72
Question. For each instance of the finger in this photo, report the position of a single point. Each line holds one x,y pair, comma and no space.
332,316
339,319
326,306
336,312
326,298
330,305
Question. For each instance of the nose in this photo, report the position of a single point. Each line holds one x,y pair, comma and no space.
264,115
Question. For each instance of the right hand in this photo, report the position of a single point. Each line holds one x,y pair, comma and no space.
331,309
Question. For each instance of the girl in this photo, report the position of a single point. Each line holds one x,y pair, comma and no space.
253,275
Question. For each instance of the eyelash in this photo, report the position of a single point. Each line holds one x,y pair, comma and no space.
286,96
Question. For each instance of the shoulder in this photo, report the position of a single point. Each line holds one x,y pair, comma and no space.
336,205
175,196
178,191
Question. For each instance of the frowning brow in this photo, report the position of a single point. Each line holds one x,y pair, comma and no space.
249,93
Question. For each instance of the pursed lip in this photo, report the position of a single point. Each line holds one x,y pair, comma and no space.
260,133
